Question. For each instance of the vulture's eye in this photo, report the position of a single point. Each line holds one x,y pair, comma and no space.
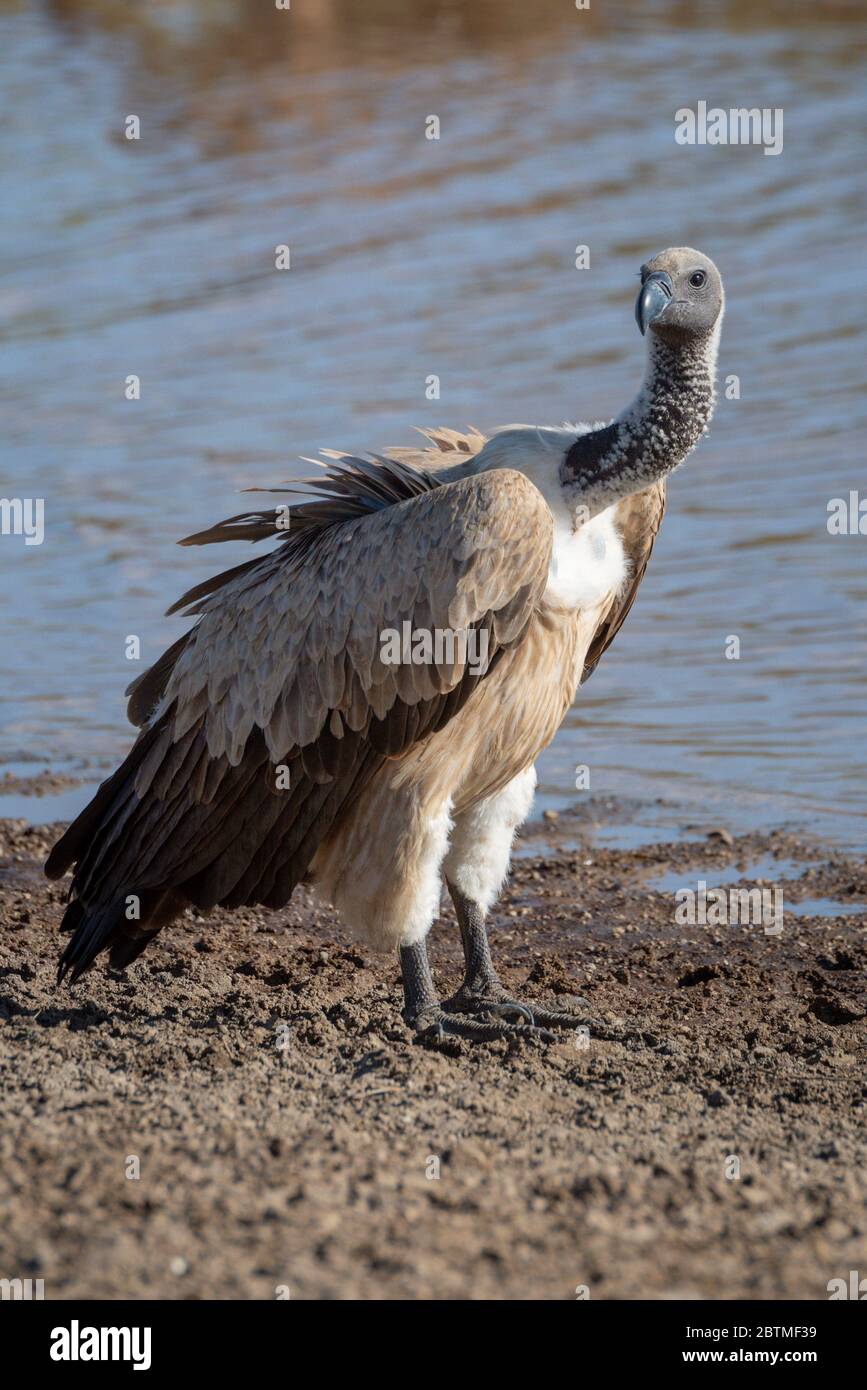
697,279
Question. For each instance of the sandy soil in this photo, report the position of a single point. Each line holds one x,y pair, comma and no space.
310,1167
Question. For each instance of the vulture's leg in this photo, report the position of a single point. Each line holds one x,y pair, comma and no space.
482,991
483,994
475,867
482,1010
424,1012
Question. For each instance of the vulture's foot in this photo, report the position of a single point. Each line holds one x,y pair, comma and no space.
434,1022
437,1022
482,1010
490,996
483,994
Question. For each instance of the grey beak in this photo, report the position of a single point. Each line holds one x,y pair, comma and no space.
654,296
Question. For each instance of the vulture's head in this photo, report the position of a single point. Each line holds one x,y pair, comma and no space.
681,295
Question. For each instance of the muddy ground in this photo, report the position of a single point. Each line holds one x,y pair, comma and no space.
311,1167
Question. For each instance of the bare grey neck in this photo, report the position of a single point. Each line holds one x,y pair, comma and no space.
653,435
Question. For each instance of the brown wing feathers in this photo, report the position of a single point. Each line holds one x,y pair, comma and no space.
180,822
250,843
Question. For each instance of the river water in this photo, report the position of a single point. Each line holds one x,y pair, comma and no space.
455,257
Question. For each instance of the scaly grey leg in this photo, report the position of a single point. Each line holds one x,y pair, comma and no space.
423,1011
482,992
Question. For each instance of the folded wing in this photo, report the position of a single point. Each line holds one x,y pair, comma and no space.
285,669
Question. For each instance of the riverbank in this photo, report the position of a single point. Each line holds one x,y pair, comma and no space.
719,1153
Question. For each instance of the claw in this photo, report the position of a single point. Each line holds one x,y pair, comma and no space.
538,1021
512,1006
435,1026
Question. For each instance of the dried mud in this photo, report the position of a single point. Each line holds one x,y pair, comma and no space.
310,1167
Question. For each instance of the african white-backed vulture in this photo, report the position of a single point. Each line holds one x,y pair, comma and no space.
362,706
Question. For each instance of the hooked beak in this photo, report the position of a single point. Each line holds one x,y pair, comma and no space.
653,297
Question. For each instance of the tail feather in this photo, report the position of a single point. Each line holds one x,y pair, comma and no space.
90,934
127,948
111,928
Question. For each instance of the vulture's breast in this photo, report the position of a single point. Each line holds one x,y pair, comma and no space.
587,564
